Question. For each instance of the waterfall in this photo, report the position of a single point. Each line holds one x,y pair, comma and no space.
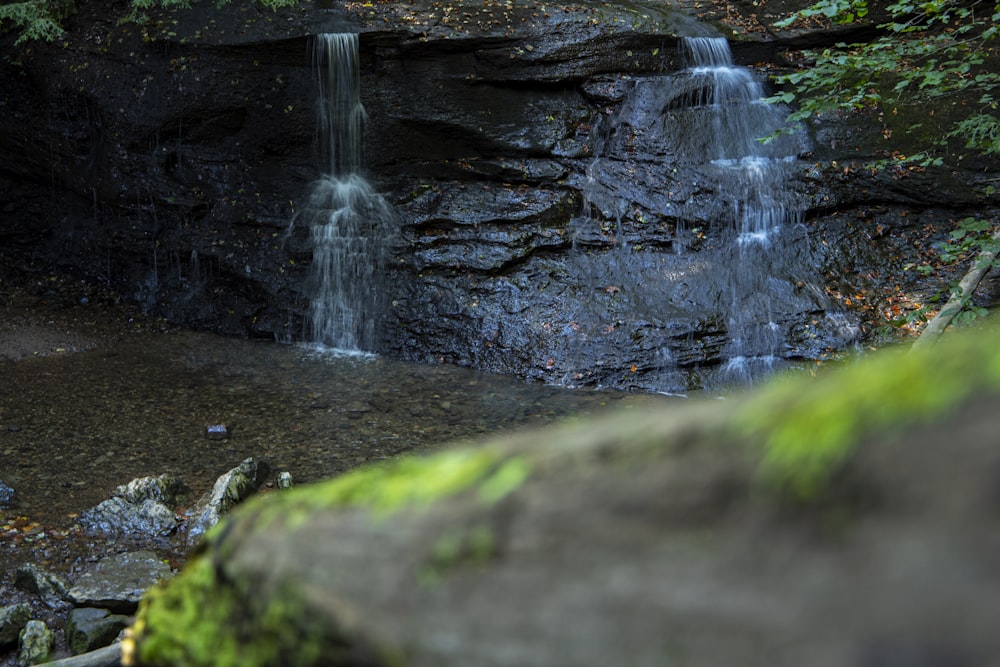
349,222
752,177
692,238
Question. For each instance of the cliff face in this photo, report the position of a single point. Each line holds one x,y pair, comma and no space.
547,225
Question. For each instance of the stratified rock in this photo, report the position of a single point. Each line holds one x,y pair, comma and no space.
229,490
546,228
118,583
88,628
6,495
48,586
36,644
12,620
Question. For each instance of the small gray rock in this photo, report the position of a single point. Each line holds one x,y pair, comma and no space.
12,621
164,489
36,644
117,516
88,628
6,495
230,489
140,508
118,583
217,432
46,585
284,480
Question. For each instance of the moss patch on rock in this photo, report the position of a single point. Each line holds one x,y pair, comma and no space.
405,482
205,620
809,428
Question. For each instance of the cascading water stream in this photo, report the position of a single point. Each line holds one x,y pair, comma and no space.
752,177
349,222
691,235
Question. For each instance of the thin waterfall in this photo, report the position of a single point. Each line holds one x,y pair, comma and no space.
690,248
349,222
340,116
753,179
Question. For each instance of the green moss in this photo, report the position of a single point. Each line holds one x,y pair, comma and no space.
192,607
810,427
405,482
200,620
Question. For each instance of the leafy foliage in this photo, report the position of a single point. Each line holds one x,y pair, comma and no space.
182,4
930,54
972,237
42,19
35,19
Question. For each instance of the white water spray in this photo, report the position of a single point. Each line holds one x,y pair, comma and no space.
350,223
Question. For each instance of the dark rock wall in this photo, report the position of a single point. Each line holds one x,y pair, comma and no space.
168,157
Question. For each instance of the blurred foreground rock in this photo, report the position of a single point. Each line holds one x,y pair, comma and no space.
849,519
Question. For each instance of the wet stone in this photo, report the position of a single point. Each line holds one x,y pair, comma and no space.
217,432
12,621
229,490
37,641
284,480
140,508
164,489
89,628
117,516
48,586
118,583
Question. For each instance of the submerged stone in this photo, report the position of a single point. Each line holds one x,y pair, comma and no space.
217,432
6,495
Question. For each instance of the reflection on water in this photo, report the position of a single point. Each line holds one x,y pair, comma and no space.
73,426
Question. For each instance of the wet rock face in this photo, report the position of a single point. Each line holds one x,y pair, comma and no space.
549,226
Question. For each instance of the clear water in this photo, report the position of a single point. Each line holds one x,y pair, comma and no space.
75,424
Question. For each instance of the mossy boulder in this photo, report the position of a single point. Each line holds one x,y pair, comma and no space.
846,519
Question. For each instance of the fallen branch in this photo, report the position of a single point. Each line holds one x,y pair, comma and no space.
109,656
966,286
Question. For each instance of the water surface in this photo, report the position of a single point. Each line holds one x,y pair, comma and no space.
75,424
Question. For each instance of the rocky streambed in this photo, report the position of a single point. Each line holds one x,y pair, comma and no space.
96,394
